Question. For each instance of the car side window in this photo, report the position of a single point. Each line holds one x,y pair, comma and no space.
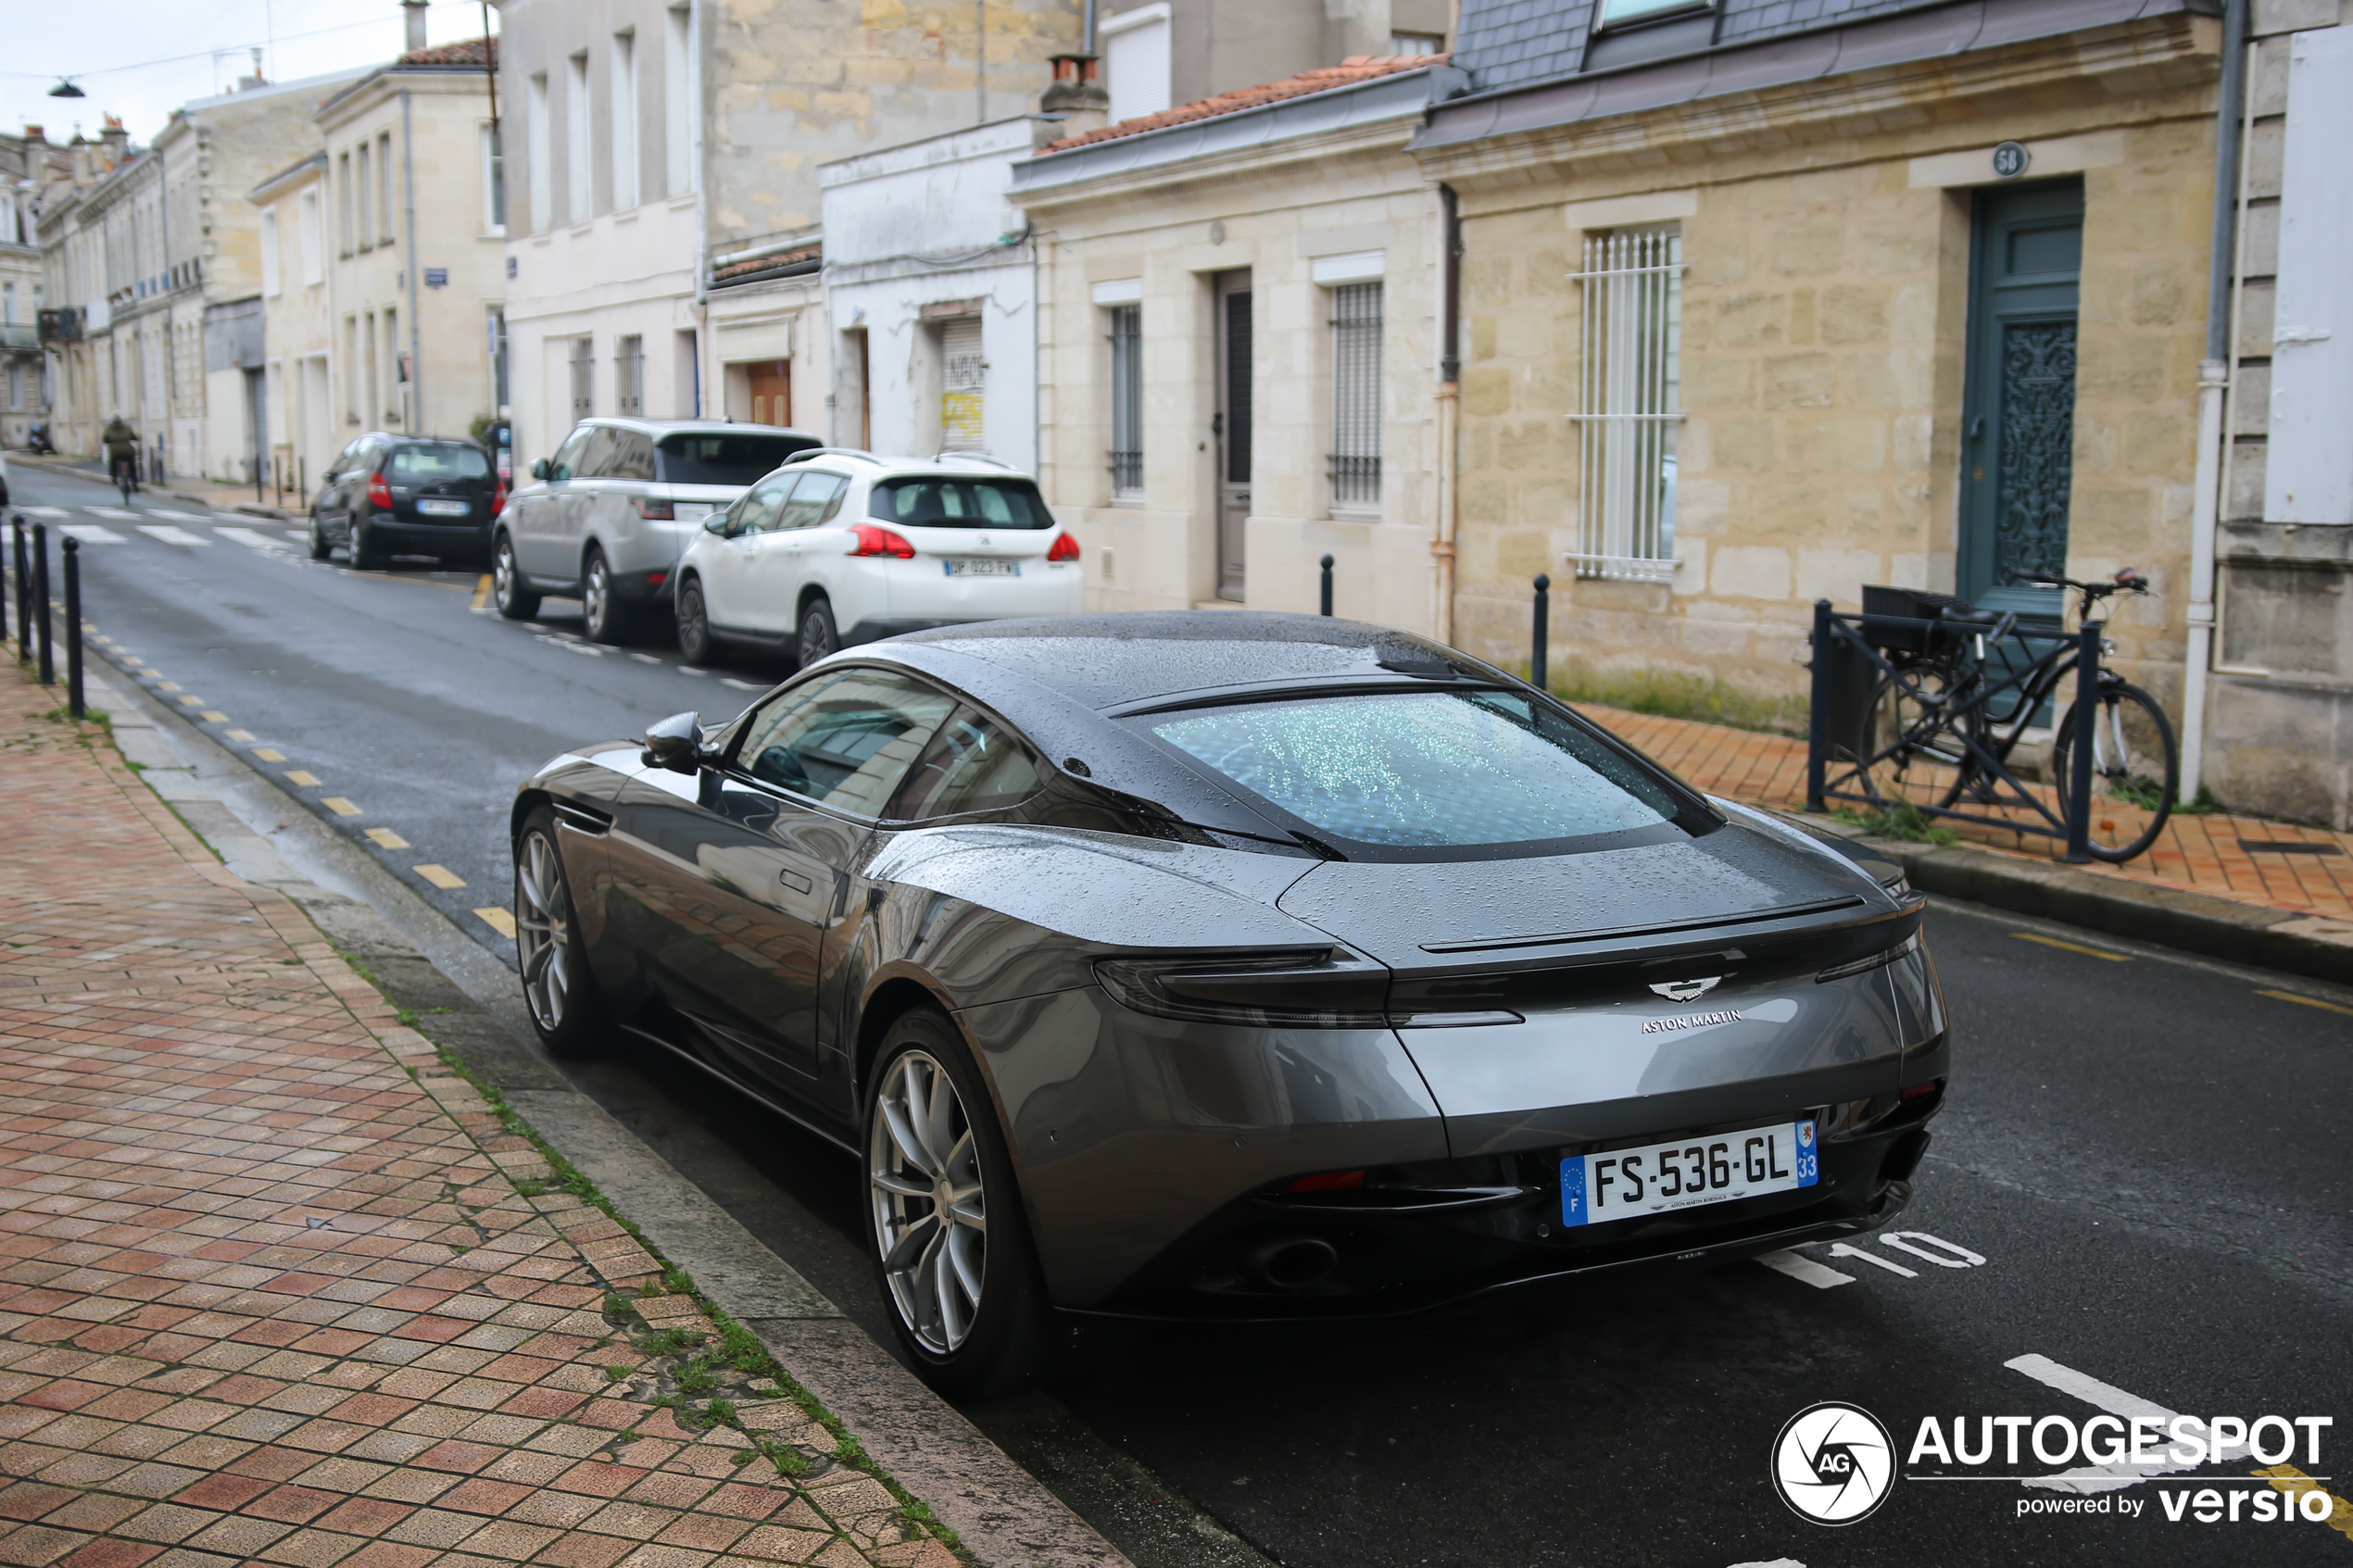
597,457
815,498
845,741
566,462
347,459
971,765
633,455
757,512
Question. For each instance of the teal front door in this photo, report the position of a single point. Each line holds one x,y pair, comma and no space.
2018,421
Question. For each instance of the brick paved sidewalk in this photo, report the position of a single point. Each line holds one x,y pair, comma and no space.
274,1286
2202,854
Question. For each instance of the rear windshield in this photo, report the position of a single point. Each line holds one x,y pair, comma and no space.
723,458
1424,769
960,503
439,462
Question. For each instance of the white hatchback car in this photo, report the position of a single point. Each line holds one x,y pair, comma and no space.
839,547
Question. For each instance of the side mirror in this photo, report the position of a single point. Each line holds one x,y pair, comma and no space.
538,468
721,523
676,743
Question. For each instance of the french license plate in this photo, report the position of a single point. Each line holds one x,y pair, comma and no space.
1662,1177
692,511
961,567
443,508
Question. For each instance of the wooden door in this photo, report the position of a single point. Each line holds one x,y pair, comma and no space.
771,393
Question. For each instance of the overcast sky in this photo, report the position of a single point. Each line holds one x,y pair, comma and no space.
139,59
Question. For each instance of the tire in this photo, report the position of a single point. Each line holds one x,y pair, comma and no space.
567,1010
607,619
367,552
695,644
1933,772
515,601
320,546
819,636
2136,770
963,1342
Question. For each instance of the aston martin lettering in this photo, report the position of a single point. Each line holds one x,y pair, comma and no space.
1691,1021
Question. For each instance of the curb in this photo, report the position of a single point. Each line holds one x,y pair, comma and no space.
2313,946
1003,1516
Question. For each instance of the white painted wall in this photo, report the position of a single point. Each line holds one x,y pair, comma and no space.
926,224
2308,474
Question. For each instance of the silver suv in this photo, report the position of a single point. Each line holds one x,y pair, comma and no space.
604,519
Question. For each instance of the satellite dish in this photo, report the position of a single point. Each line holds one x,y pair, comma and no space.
66,89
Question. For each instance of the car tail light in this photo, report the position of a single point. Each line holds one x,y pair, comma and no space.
379,493
874,541
1327,1181
1318,989
656,579
655,511
1065,549
1920,1091
498,496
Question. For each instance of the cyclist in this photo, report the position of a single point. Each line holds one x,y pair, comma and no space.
121,442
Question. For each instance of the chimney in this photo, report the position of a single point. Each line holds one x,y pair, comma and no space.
116,140
416,19
1076,95
32,134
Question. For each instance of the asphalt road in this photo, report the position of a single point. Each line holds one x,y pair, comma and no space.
2137,1199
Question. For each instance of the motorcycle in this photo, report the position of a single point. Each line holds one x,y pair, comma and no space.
38,442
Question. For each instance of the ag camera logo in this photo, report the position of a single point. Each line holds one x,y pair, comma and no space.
1833,1464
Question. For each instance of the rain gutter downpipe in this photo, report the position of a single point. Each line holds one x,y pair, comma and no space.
418,423
2213,382
1450,375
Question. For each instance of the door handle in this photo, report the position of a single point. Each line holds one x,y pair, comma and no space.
795,880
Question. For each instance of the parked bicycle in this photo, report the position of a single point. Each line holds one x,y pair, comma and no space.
1964,689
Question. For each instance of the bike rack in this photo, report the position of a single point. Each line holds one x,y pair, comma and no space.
1842,649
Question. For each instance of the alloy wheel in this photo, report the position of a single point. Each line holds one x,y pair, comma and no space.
931,1216
543,930
502,573
596,597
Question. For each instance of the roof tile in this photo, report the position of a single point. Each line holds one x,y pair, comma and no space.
1353,69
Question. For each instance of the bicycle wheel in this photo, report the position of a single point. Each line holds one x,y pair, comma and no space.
1904,754
2135,770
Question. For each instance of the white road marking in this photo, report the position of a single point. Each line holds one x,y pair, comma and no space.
690,669
42,511
1962,1256
741,685
296,535
91,533
1841,1249
1804,1269
176,517
116,512
558,640
644,659
1777,1562
168,534
2116,1402
252,540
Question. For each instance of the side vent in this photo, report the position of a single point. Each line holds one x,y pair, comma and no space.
586,818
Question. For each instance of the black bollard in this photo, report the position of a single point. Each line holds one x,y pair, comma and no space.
2087,717
24,595
1327,585
74,705
42,619
1536,671
4,596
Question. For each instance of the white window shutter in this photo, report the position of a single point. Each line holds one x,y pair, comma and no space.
1137,64
2308,471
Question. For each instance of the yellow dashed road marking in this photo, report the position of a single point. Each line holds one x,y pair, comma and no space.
339,805
482,591
192,702
210,717
296,776
440,876
2308,1001
243,737
2291,1480
2073,947
498,921
387,839
267,755
165,685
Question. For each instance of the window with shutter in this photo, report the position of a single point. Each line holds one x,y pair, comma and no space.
1630,389
1355,456
964,374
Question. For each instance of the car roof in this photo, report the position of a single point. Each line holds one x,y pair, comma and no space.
659,428
861,464
1113,660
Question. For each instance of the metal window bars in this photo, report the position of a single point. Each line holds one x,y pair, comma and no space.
1126,400
629,376
1629,384
1355,456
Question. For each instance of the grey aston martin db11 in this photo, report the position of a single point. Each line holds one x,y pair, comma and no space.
1236,966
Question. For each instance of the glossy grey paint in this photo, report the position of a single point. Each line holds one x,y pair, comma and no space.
1130,1132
